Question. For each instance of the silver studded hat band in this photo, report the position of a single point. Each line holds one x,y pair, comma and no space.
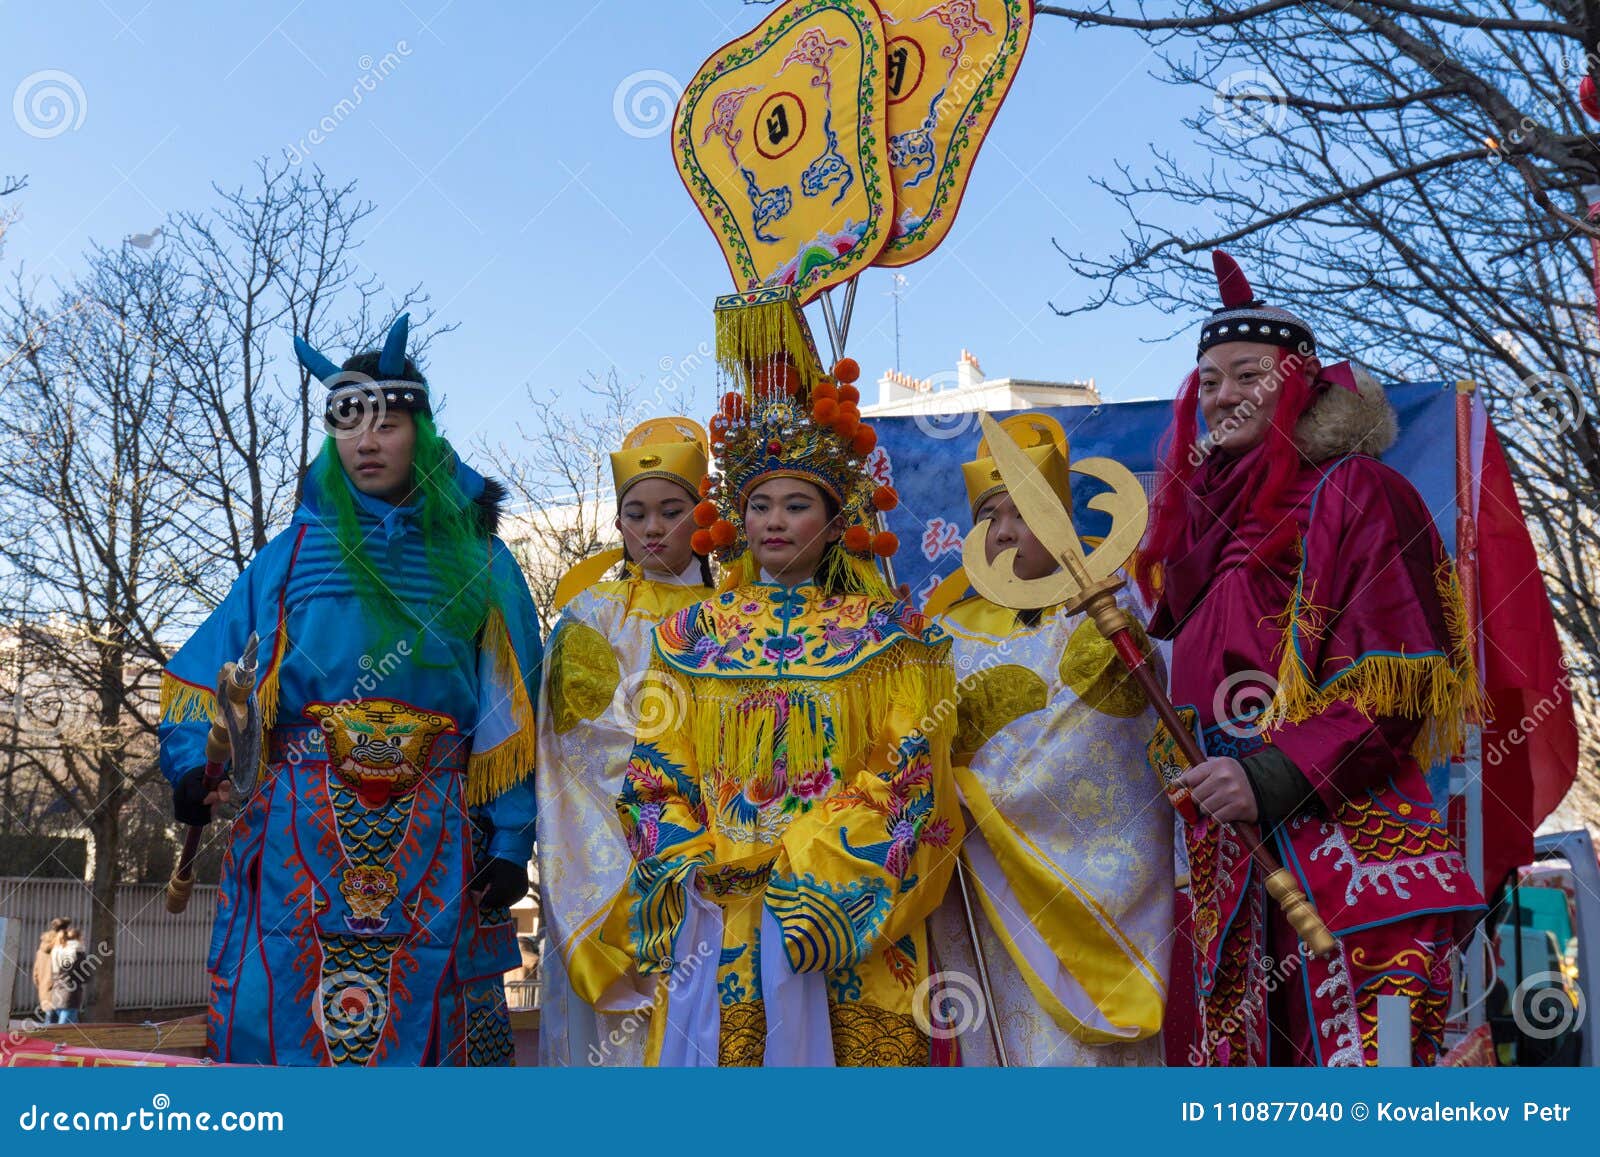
358,399
1255,322
353,395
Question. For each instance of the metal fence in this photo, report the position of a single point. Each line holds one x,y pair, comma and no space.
161,958
522,993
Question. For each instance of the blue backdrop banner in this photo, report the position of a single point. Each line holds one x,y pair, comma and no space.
921,457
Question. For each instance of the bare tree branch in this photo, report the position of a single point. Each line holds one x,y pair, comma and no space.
1416,178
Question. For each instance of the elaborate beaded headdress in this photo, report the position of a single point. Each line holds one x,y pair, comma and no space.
788,420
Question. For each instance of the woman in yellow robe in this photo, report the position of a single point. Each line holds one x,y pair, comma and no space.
790,808
1069,848
594,1005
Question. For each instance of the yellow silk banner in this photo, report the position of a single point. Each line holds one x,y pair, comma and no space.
950,64
780,139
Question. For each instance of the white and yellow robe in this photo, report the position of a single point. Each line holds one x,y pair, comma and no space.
594,1006
1068,850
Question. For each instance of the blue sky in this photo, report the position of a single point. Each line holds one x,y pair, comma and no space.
561,243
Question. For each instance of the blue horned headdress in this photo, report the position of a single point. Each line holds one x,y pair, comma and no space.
351,393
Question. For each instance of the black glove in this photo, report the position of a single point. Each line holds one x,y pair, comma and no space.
502,883
188,796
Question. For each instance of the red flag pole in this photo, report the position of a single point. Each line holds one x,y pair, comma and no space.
1466,524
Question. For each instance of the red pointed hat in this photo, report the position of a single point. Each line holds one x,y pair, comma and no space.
1244,317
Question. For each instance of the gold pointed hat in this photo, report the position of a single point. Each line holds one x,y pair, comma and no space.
673,448
1044,442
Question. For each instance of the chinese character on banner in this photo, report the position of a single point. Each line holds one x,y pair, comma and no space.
928,587
941,538
879,467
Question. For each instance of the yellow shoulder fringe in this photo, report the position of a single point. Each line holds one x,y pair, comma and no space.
183,702
1441,690
508,763
740,724
488,772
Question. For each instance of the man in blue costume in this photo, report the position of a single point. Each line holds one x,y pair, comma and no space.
362,914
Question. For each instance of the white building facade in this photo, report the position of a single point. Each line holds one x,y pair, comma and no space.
965,390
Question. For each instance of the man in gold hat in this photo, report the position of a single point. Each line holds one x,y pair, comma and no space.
594,1004
1069,845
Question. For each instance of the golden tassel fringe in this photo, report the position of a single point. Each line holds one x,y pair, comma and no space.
755,333
267,692
502,767
733,723
1440,690
841,572
738,572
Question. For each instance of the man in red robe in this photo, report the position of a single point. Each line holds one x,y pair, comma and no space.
1320,645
